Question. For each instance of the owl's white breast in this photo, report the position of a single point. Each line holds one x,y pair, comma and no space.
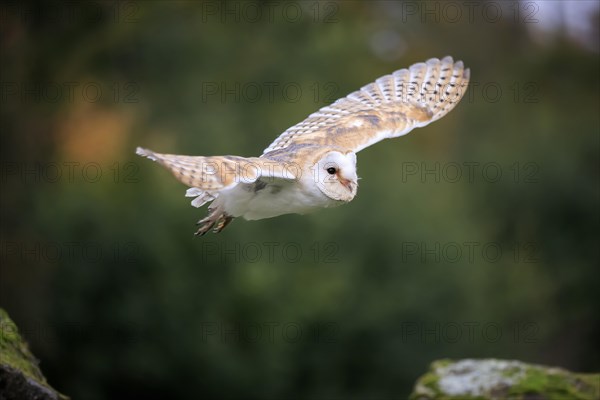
259,201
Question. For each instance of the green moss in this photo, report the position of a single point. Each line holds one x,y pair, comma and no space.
511,372
428,383
427,387
557,384
19,372
14,352
493,379
444,362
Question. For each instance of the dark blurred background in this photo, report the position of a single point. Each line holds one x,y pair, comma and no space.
476,236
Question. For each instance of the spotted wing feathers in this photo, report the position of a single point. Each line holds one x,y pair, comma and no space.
389,107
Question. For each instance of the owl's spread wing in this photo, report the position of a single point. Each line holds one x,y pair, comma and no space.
389,107
207,176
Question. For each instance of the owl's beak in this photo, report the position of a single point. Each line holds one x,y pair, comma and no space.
346,182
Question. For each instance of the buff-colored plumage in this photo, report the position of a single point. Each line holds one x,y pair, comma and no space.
313,164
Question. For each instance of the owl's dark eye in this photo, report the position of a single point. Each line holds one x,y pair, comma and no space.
331,170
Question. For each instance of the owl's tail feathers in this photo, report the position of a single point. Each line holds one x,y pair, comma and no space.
178,166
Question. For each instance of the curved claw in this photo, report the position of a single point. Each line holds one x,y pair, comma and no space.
216,218
222,222
204,228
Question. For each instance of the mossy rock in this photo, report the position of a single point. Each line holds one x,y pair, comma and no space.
20,375
492,379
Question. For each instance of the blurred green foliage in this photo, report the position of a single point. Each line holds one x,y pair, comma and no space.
117,297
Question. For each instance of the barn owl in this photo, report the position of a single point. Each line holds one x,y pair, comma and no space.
312,165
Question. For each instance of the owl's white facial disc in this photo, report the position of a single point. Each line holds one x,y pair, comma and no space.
335,175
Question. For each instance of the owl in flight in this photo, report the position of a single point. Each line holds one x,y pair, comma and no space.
312,165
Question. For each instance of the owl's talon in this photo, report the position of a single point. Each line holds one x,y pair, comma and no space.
204,228
216,219
223,221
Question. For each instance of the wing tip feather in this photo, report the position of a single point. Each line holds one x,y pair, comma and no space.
140,151
447,60
418,65
467,73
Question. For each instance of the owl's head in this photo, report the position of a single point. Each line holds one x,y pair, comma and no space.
335,175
